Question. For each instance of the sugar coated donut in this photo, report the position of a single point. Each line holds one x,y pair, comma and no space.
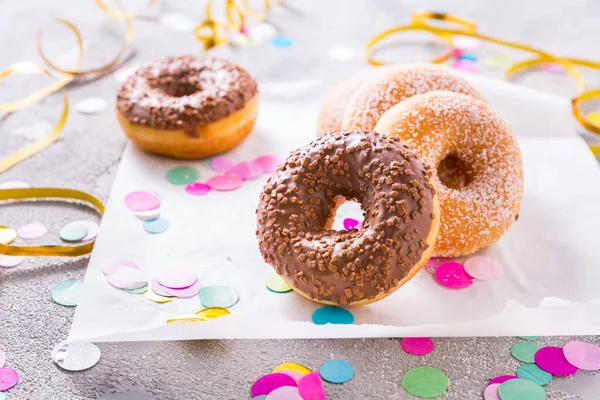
478,169
299,201
371,100
188,106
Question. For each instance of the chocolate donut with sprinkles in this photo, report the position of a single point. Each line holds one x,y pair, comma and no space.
298,203
188,106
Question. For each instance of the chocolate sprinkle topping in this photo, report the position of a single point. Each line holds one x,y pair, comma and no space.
298,204
180,92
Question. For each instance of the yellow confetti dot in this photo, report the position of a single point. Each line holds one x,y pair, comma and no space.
185,318
277,284
212,313
594,117
150,295
7,235
292,366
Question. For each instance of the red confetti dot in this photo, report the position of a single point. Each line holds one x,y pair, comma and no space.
453,275
417,346
552,360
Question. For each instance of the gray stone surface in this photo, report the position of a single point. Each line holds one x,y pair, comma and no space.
87,155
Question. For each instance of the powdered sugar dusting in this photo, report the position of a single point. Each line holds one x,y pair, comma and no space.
439,124
369,102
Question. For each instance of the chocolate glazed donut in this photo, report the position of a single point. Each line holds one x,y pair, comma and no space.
298,204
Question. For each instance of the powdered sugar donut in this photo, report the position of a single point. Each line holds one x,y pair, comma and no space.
478,169
369,101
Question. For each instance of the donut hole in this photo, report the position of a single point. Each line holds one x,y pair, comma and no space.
454,172
180,89
348,215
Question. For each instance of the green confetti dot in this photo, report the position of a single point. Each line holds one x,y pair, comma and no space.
524,351
521,389
498,61
182,175
73,232
218,296
534,374
67,293
275,283
141,290
425,382
254,398
529,338
3,396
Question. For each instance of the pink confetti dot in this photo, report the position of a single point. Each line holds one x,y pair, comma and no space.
246,170
491,392
8,378
294,374
583,355
176,278
553,68
221,163
185,293
2,358
483,268
197,189
268,162
127,278
112,265
501,379
453,275
266,384
466,66
552,360
159,289
10,261
351,223
285,393
32,231
417,346
311,387
142,201
224,183
92,228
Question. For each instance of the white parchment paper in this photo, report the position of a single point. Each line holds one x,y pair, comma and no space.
552,275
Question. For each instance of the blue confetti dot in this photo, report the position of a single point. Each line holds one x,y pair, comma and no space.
158,225
467,56
336,371
281,41
332,315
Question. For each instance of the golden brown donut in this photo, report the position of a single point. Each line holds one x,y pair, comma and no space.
478,168
370,101
188,106
298,204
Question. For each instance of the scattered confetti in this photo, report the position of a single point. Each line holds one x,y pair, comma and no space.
292,366
185,293
2,358
142,201
310,387
498,61
262,31
336,371
246,170
123,73
524,351
530,338
73,229
91,105
224,183
8,378
351,223
73,232
14,185
268,162
281,41
275,283
155,226
141,290
179,23
218,296
491,392
593,117
502,379
417,346
150,295
112,265
342,53
483,268
7,235
213,313
332,315
425,382
67,293
468,57
32,231
3,396
521,389
583,355
221,163
75,356
266,384
463,43
534,374
197,188
553,68
176,278
159,289
285,393
453,275
147,215
185,318
294,374
466,66
182,175
10,261
127,278
552,360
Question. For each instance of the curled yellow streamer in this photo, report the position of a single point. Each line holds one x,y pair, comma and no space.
459,26
49,194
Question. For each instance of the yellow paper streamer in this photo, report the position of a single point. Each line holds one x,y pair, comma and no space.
49,194
419,22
